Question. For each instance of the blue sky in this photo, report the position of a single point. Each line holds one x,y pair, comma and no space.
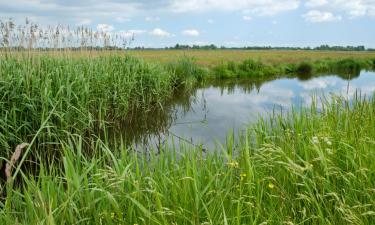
159,23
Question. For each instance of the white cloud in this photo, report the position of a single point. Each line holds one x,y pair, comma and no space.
353,8
316,3
259,7
247,18
316,16
152,19
191,33
73,12
49,12
160,33
105,27
84,22
131,33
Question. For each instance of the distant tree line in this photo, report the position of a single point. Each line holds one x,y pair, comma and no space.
200,47
321,48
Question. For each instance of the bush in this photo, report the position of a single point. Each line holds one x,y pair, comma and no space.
304,68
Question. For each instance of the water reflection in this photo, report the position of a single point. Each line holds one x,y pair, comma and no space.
206,114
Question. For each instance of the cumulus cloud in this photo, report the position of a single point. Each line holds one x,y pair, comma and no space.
259,7
316,16
131,33
105,27
316,3
353,8
160,33
191,33
74,12
67,11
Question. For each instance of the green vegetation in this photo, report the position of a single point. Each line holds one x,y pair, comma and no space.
252,68
313,167
79,95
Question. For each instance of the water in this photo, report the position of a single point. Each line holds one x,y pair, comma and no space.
205,116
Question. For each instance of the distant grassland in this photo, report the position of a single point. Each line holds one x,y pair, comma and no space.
212,58
215,57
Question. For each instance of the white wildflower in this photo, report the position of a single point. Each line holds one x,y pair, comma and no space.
315,140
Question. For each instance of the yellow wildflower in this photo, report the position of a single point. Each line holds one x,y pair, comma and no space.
242,175
271,185
233,164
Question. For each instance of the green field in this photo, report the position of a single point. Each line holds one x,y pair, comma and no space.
215,57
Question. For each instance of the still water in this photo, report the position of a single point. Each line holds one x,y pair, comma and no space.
205,116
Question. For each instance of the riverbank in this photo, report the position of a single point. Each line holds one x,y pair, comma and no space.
46,96
312,167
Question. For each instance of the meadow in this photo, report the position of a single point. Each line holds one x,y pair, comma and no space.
211,58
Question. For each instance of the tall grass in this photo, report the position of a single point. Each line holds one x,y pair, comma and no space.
311,167
85,93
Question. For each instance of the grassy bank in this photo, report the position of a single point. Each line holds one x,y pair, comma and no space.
348,67
312,167
82,94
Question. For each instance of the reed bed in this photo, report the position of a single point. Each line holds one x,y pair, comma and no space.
81,94
311,167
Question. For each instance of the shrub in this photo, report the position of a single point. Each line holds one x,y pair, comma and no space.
304,68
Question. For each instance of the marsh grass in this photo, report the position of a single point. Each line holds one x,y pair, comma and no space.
86,93
312,167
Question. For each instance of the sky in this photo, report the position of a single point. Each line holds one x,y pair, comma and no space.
231,23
